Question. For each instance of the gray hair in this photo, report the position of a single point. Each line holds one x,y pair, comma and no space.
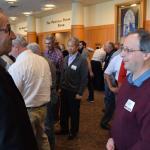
34,47
74,40
144,40
50,37
20,41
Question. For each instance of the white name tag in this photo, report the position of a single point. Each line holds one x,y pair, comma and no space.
73,67
129,105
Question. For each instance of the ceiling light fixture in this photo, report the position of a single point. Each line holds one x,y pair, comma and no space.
133,5
49,5
13,18
11,1
27,13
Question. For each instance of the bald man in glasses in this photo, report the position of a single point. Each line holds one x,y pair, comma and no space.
15,128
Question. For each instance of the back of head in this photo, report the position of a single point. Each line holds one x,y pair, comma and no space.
109,46
20,41
34,47
83,43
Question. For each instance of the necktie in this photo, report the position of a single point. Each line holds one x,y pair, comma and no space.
122,73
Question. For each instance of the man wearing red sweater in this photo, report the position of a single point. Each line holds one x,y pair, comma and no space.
131,124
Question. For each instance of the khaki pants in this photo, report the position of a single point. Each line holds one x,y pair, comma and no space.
37,118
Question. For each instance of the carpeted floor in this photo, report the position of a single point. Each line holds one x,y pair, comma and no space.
91,136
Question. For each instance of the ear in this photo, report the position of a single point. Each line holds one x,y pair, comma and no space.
146,56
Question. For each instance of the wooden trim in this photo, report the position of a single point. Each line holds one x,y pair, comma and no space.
99,34
56,31
116,19
147,25
31,37
143,13
77,26
78,31
98,27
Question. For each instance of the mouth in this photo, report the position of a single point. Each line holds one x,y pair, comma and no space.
125,61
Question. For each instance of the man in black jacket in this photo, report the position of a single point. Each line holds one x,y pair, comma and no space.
73,81
15,128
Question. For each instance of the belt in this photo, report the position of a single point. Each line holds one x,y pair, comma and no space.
37,106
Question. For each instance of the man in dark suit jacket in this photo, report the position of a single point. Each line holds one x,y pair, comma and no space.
15,129
73,81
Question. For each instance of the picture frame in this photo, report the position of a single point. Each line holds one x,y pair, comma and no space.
129,17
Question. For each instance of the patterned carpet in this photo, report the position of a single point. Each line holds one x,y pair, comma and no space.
91,136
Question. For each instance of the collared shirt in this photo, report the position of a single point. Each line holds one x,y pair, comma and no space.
72,58
138,82
31,74
99,55
113,67
56,57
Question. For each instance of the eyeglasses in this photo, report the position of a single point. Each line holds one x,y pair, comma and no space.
128,50
7,30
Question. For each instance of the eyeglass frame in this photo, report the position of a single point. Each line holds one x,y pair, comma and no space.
7,30
128,50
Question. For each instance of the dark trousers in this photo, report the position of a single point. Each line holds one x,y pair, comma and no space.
109,101
69,112
49,125
98,80
90,88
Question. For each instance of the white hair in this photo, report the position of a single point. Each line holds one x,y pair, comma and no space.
20,41
34,47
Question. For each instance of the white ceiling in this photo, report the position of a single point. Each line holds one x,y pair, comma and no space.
35,6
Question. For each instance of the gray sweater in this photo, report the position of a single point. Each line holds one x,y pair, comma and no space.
75,76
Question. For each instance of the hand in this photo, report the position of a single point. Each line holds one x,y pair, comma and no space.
114,89
110,144
78,97
59,92
91,74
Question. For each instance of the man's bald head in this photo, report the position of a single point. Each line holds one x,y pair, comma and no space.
2,17
6,35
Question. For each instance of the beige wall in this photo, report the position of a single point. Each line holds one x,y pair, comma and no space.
100,14
63,37
94,15
98,22
20,28
56,22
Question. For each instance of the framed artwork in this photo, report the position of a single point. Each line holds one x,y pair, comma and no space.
129,17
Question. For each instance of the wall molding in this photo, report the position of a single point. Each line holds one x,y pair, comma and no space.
147,25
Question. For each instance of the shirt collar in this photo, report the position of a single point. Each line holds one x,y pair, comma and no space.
138,82
22,54
73,55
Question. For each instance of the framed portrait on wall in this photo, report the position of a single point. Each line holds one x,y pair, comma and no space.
129,17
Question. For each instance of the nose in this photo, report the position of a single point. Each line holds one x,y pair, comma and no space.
123,53
12,35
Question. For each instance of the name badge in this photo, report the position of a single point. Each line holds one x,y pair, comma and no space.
73,67
129,105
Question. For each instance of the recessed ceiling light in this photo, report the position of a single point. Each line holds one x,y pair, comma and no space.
122,6
49,5
13,18
11,1
27,13
133,5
